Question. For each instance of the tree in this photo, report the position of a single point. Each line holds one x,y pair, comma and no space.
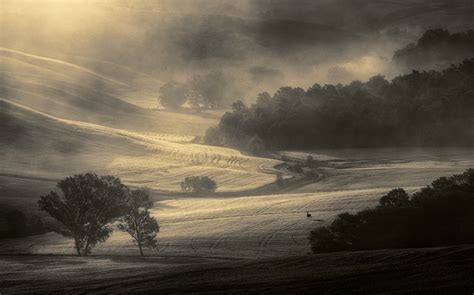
137,221
198,184
87,205
436,49
438,215
395,198
417,109
173,94
211,90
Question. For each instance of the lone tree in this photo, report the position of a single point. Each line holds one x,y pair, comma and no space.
137,221
173,94
198,184
87,204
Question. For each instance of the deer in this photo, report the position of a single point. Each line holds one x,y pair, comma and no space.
308,215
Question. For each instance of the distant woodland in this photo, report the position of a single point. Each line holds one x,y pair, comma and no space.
436,49
428,108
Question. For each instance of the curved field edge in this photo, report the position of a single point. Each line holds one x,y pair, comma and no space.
156,160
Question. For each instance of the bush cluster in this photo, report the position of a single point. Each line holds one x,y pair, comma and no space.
441,214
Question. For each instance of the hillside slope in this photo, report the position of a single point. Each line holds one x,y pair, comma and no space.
37,143
71,91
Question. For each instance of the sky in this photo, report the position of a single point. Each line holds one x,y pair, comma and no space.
256,45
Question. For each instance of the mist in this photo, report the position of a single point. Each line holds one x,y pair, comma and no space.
103,62
221,146
297,43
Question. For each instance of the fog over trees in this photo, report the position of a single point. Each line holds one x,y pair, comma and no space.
418,109
436,49
213,90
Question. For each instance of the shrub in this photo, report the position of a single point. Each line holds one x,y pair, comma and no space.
198,184
438,215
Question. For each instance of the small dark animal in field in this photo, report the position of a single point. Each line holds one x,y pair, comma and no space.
308,215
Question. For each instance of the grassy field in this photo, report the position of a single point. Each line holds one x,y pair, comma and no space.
58,147
61,118
414,271
274,225
348,169
108,94
270,225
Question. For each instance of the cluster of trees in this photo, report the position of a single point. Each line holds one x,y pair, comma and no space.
89,204
209,91
436,49
18,225
418,109
441,214
198,184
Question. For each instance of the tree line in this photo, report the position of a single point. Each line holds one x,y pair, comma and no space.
441,214
436,49
418,109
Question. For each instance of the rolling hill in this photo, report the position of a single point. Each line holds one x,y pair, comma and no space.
71,91
36,143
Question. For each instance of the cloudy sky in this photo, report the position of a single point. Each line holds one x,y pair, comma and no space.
258,45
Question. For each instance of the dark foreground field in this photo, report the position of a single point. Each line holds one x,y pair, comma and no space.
426,271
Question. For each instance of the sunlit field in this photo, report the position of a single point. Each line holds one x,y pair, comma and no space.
348,169
237,222
272,225
249,227
156,92
158,161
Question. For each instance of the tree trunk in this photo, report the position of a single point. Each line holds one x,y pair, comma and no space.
76,245
140,247
86,248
